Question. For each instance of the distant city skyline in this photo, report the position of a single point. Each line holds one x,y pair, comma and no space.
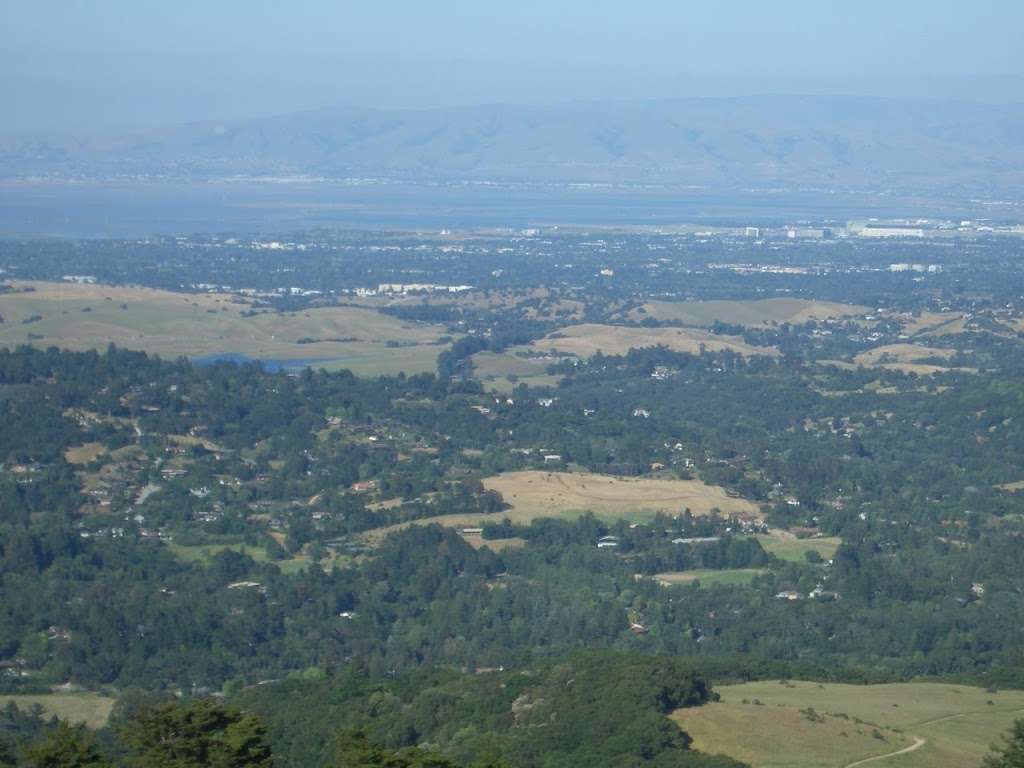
104,65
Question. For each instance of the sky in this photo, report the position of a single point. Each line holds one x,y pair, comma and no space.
97,66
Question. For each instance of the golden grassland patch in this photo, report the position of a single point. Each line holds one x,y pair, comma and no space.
935,324
505,387
490,365
787,546
191,440
478,542
783,724
536,493
707,577
909,358
1017,485
379,506
91,709
83,454
169,324
751,313
843,365
504,371
536,303
902,353
588,339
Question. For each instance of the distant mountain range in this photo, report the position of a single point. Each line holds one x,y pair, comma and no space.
761,142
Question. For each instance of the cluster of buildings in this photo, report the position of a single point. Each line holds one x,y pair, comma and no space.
386,289
882,229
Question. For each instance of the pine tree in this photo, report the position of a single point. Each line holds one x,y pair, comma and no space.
66,747
200,734
1011,753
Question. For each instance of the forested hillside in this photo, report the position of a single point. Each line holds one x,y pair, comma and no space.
409,567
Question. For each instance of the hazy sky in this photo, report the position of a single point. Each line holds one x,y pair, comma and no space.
95,65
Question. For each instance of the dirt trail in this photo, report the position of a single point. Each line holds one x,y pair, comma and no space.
944,718
918,743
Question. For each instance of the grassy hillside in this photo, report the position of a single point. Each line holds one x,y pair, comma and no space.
80,317
777,724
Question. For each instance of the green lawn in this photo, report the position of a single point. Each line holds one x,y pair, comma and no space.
787,547
956,723
89,708
731,577
505,387
204,552
493,369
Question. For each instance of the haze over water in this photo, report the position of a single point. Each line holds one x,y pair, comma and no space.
139,210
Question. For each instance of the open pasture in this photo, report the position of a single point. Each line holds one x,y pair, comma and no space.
537,303
91,709
504,371
705,577
477,542
752,314
935,324
535,494
908,358
204,554
828,725
1017,485
587,339
83,454
786,546
79,317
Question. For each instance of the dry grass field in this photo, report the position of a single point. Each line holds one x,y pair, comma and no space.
169,324
503,386
587,339
83,454
1013,487
534,494
757,313
491,364
730,577
477,541
908,358
543,304
494,370
458,521
92,709
935,324
786,546
902,353
811,725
